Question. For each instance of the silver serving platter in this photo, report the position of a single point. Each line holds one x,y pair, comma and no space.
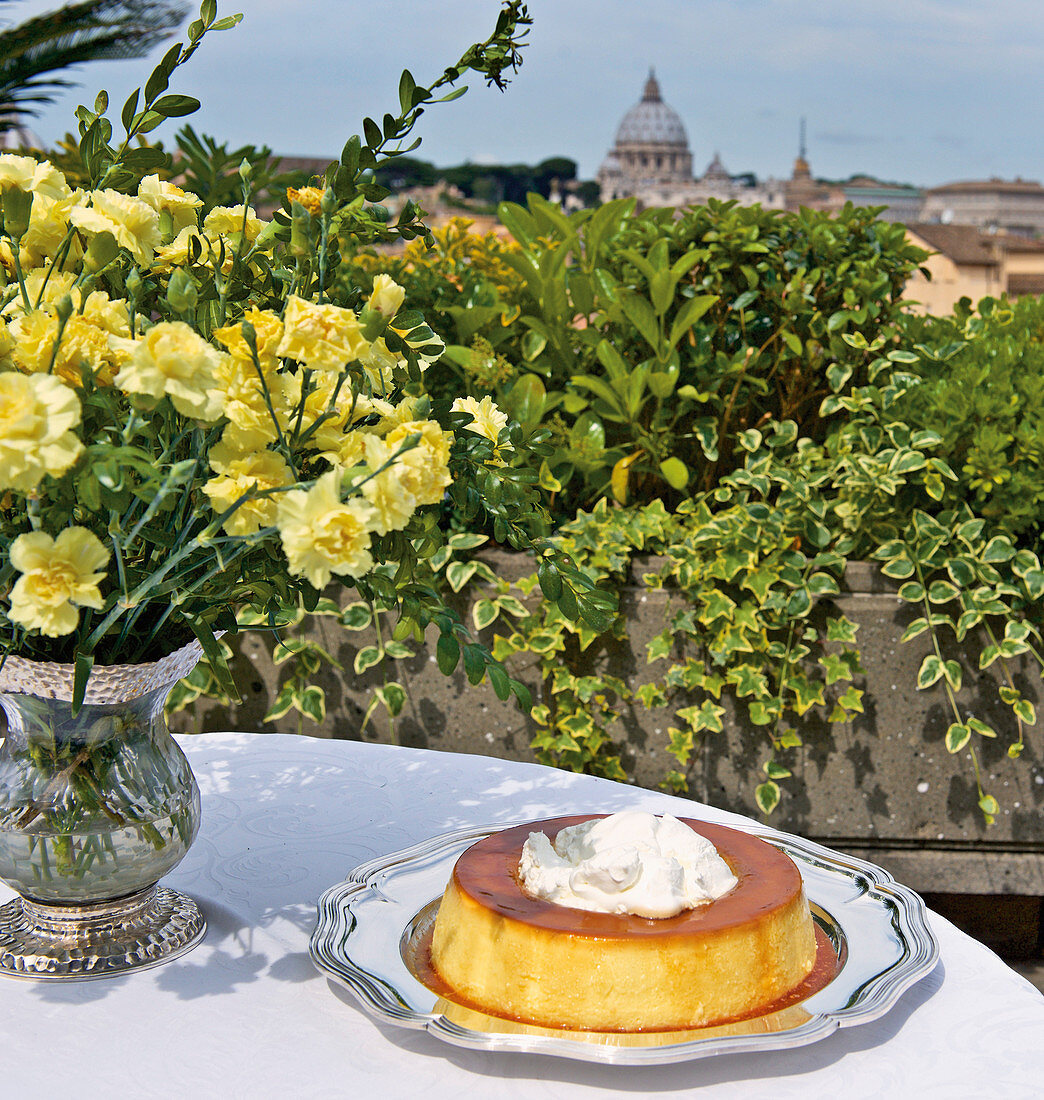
368,928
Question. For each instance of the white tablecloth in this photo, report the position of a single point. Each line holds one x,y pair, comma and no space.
246,1014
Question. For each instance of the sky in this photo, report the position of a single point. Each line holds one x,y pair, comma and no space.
917,91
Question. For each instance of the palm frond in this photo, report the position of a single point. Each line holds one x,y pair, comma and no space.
91,30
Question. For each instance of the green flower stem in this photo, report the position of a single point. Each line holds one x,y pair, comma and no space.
59,260
20,277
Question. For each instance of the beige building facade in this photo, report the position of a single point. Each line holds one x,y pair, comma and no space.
966,262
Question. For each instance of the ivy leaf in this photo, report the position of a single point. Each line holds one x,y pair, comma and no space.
767,796
957,736
366,658
930,672
483,613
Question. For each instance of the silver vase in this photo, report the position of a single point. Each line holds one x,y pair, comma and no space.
95,807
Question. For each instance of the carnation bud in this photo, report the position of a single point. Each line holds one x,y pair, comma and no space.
18,206
64,308
133,284
300,230
182,294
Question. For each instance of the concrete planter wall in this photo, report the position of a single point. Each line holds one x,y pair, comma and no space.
882,787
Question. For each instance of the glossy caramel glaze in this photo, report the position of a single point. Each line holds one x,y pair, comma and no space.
768,881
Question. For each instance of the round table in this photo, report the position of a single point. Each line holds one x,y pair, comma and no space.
246,1014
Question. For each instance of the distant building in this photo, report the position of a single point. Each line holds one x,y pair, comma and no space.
901,202
1015,206
650,160
967,262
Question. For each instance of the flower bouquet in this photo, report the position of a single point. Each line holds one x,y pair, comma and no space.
204,412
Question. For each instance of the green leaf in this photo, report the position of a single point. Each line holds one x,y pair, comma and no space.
312,703
675,473
466,541
767,796
998,549
176,106
474,663
792,341
899,569
918,626
1025,711
641,314
500,680
447,653
689,314
81,674
837,375
366,658
458,573
550,579
484,613
356,616
913,592
988,655
393,696
931,671
942,592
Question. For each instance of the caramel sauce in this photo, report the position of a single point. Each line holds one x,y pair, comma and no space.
768,880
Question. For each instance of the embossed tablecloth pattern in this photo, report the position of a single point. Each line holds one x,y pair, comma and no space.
247,1015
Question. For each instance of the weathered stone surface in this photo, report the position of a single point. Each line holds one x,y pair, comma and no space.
882,787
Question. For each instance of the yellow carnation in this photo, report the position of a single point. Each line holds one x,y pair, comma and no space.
321,535
6,347
133,222
44,287
243,401
29,174
311,198
259,471
37,415
48,230
386,490
177,254
83,343
109,314
425,466
268,329
34,335
58,576
162,196
323,337
486,418
379,362
223,221
175,360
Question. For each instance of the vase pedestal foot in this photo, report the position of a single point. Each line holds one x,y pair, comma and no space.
55,942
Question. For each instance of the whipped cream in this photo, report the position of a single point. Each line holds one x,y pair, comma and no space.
630,862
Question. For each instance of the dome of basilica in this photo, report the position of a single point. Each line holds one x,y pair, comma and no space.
651,121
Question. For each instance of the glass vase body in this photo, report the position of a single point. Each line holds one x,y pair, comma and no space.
95,807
